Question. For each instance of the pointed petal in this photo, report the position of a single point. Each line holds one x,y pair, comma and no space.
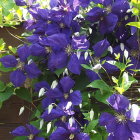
122,132
17,78
109,121
67,83
75,97
32,70
23,53
120,7
37,50
92,75
108,24
108,67
46,102
54,114
32,129
95,14
42,84
118,102
100,47
57,41
39,138
82,136
74,65
134,127
57,61
8,61
20,2
20,131
54,93
80,42
60,133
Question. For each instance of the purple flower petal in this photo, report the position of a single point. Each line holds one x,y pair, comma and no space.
122,132
46,102
57,61
20,131
80,42
54,114
100,47
67,83
76,97
39,138
95,14
54,93
74,65
8,61
32,129
57,41
60,133
120,7
20,2
32,70
82,136
108,67
42,84
17,78
118,102
134,127
109,121
23,53
92,75
37,50
108,24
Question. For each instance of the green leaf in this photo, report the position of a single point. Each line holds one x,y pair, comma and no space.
86,66
2,44
20,138
125,82
2,86
3,69
135,11
135,24
91,126
100,84
102,97
12,49
6,94
96,137
24,94
59,71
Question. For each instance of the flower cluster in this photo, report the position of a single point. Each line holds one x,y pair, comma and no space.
76,41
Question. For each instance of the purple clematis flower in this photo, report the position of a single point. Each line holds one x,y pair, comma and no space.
23,70
63,93
68,5
62,110
29,130
109,15
65,52
125,123
70,131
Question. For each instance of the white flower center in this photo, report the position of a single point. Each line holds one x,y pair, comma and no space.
121,118
71,136
31,136
69,50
